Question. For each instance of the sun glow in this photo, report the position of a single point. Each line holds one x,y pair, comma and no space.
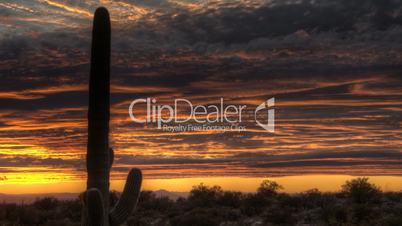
56,182
70,9
42,175
21,149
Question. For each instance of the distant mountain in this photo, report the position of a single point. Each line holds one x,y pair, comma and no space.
170,194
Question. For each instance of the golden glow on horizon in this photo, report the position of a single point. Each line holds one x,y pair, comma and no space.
43,175
291,184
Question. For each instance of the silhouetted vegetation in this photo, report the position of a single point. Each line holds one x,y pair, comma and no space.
100,156
359,202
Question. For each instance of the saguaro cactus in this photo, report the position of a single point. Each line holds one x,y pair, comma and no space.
99,156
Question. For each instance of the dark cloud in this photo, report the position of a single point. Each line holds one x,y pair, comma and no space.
262,163
22,161
332,65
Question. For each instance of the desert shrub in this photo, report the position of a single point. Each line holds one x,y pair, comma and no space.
230,199
141,221
204,196
331,208
28,215
11,212
392,197
46,203
149,201
360,190
360,203
279,215
253,205
163,204
269,188
311,199
198,217
70,209
336,215
3,212
360,213
293,202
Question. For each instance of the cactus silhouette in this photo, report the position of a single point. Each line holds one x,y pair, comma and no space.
99,156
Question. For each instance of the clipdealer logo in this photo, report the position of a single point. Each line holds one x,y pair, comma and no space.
267,106
201,117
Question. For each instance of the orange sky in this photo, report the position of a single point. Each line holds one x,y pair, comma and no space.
337,89
291,184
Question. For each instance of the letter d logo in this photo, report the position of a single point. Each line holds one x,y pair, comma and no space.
270,125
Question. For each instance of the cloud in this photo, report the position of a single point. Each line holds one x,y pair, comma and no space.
263,164
333,67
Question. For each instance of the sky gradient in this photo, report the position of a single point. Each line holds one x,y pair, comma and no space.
333,66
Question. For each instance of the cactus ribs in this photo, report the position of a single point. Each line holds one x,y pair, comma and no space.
96,211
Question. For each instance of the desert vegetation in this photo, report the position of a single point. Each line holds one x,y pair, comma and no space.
359,202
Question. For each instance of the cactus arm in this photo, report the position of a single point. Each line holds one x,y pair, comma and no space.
93,208
128,200
98,159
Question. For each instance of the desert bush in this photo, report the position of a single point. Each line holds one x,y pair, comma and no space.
359,203
269,188
230,199
279,215
204,196
198,217
311,199
360,190
46,203
149,201
29,215
70,209
252,205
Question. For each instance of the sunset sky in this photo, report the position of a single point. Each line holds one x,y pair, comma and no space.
333,66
